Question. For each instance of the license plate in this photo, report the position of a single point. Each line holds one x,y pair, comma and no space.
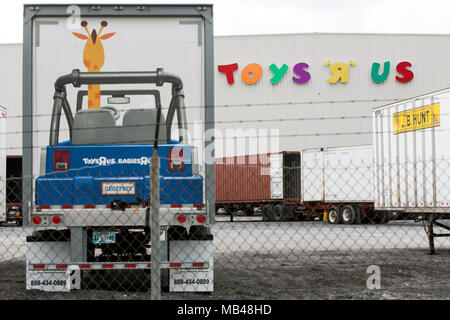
103,237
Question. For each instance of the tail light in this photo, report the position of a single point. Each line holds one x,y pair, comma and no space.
36,220
181,218
176,159
61,160
56,220
201,218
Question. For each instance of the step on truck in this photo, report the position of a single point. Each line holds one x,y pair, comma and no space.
89,201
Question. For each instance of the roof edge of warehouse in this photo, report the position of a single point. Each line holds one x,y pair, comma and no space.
118,4
411,99
333,33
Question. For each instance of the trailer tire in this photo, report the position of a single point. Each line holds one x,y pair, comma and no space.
358,219
177,233
384,218
229,210
280,213
267,213
348,215
249,211
334,215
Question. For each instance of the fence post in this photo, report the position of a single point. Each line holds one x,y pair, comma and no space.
154,212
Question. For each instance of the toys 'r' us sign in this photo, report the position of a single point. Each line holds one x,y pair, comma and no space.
253,72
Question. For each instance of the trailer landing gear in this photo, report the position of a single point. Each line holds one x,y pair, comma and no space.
429,221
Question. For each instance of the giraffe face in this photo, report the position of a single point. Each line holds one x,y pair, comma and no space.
93,54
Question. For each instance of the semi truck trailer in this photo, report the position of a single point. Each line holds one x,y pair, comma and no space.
107,93
412,159
335,182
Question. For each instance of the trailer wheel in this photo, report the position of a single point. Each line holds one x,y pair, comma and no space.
334,215
229,210
348,215
279,213
249,210
177,233
267,212
384,218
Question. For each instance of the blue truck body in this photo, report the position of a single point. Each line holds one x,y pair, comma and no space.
92,166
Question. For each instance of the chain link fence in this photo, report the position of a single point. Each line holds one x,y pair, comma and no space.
284,225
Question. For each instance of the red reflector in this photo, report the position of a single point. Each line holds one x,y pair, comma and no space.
61,266
175,265
61,160
181,218
67,206
176,159
56,220
176,206
201,218
44,207
36,220
89,206
38,266
107,266
85,266
131,265
198,265
199,205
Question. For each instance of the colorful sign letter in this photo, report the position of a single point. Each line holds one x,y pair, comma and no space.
303,76
278,74
251,73
228,69
375,74
407,74
339,71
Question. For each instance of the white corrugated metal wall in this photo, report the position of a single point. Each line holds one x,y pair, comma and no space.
281,106
11,95
287,106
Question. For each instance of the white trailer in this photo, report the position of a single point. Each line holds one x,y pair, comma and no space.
339,183
3,177
138,47
412,158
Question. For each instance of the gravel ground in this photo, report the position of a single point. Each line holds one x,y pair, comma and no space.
256,260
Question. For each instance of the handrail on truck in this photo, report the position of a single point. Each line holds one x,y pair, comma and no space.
158,77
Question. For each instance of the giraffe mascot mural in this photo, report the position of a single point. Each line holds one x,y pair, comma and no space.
93,58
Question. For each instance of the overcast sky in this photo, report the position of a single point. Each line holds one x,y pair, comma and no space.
234,17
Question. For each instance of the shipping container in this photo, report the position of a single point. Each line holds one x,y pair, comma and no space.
412,158
246,182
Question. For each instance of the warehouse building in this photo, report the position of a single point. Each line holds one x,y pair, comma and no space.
297,90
